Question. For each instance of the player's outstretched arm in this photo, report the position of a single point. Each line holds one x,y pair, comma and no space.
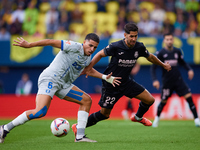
46,42
153,59
109,78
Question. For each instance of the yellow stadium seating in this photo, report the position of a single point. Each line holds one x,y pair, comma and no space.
112,7
171,16
44,7
147,5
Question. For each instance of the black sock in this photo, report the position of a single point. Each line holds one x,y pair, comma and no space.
94,118
160,108
143,108
129,106
192,107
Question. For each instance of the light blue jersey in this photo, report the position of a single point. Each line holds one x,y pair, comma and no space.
66,66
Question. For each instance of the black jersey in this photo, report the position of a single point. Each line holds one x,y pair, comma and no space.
174,58
123,59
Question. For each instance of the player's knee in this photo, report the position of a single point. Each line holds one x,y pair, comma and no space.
39,114
87,100
150,101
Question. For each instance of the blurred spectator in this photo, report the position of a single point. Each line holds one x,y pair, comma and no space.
119,33
191,28
167,27
7,17
192,5
18,13
132,6
178,32
4,34
64,19
146,26
101,5
180,23
170,5
31,18
77,14
180,4
52,21
24,86
16,27
158,14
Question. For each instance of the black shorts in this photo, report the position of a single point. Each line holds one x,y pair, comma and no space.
111,95
179,86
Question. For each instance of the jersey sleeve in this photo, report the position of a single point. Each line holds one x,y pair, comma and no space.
109,50
66,46
144,52
182,62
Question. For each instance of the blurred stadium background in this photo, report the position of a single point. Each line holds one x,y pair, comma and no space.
67,19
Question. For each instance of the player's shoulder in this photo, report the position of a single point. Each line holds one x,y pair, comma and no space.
161,51
117,43
177,49
139,45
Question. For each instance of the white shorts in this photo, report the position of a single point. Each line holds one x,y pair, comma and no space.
48,87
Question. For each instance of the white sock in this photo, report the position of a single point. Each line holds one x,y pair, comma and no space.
82,121
137,118
196,120
21,119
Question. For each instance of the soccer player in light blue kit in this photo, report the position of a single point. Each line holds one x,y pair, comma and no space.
57,80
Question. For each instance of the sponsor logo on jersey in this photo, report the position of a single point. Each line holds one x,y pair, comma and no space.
172,62
136,54
126,63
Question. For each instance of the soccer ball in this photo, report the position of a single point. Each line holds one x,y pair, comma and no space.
60,127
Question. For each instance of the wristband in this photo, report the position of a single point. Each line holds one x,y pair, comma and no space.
110,80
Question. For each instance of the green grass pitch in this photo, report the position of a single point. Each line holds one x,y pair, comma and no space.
110,134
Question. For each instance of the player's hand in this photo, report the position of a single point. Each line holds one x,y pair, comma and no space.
167,66
115,79
190,74
156,84
21,42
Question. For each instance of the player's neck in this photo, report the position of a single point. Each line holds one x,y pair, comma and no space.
169,48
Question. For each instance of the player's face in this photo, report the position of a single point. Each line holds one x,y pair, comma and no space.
168,40
130,39
89,47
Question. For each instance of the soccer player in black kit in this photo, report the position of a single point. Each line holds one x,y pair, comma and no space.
124,55
172,80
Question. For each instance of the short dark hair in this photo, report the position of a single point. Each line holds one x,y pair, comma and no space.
168,33
130,27
92,36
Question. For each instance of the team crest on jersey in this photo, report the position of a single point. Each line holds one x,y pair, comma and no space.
176,55
136,54
68,42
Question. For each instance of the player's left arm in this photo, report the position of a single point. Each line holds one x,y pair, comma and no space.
186,66
153,59
109,78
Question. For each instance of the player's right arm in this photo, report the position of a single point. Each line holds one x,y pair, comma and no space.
46,42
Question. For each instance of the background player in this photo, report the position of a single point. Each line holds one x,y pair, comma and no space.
57,80
172,81
124,55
